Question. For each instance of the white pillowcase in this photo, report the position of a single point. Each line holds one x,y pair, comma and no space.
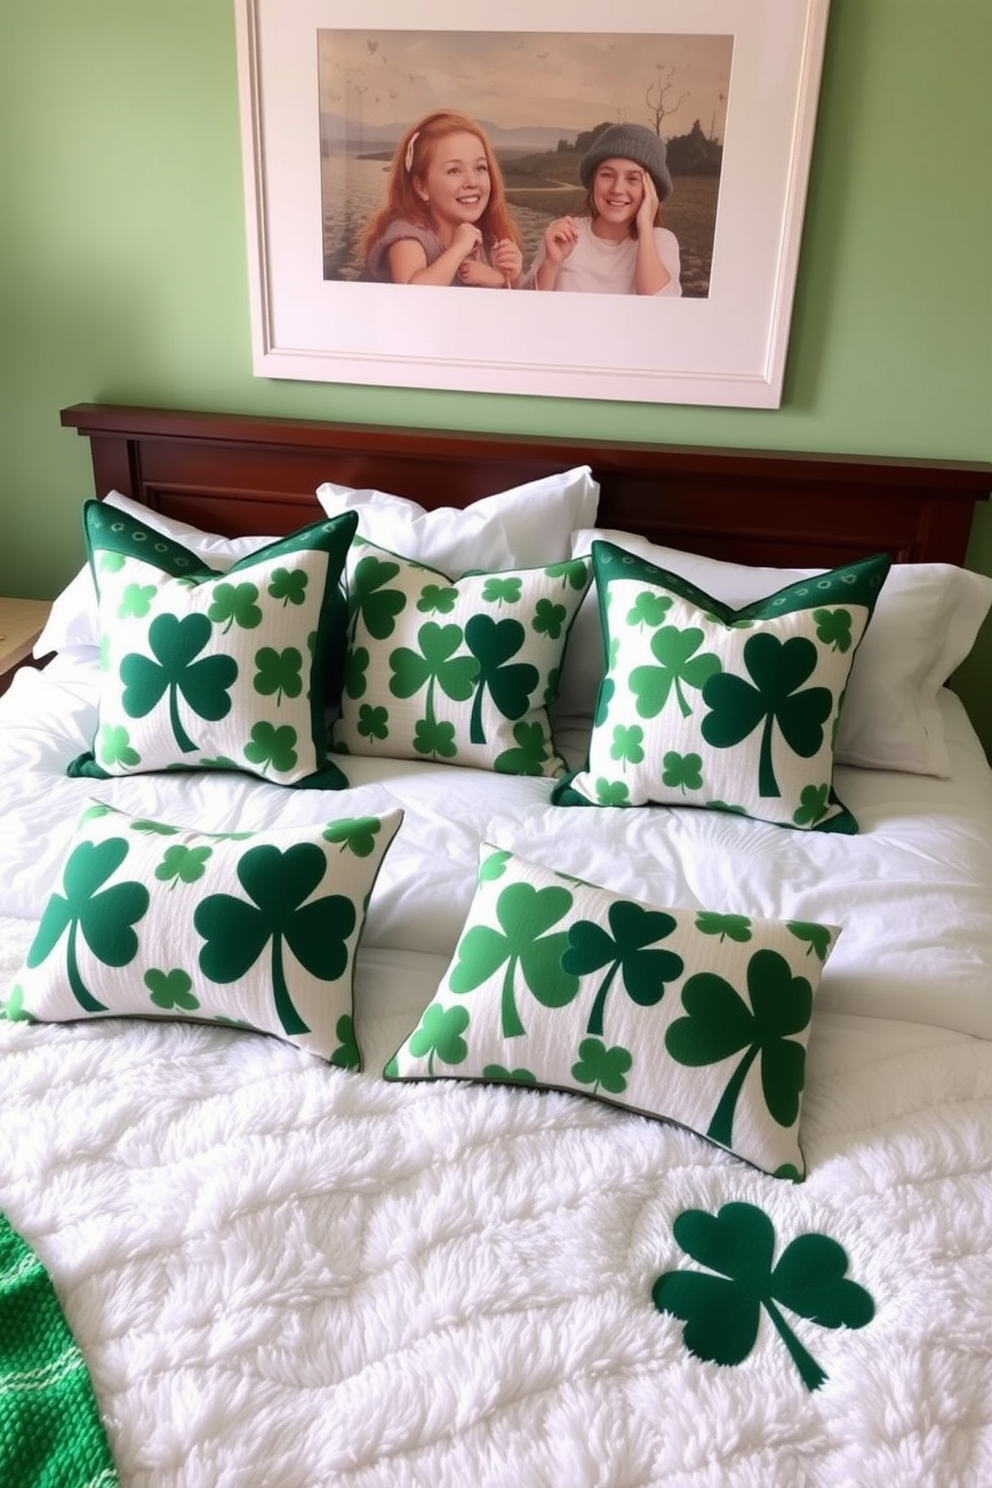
925,623
525,527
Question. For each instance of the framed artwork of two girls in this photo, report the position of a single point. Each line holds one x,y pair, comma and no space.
504,206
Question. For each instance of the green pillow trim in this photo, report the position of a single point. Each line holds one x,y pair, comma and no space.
729,709
187,646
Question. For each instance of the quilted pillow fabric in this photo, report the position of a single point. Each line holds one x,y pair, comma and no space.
207,670
455,670
703,705
687,1015
258,930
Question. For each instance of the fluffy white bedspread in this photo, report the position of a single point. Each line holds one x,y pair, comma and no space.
284,1275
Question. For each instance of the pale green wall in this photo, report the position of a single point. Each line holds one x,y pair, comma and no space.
123,265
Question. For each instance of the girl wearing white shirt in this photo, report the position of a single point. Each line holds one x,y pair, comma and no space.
617,245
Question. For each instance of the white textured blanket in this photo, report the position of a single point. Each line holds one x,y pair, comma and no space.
284,1274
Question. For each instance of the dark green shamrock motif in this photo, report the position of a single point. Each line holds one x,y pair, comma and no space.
833,627
279,673
289,586
493,643
371,600
778,670
526,915
720,1024
103,917
435,665
203,684
272,745
679,667
279,884
722,1311
625,948
347,1054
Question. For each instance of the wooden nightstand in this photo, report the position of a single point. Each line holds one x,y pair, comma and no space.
21,622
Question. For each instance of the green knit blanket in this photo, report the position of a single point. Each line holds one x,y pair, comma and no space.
51,1435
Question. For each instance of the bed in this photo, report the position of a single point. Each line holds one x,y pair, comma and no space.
563,1057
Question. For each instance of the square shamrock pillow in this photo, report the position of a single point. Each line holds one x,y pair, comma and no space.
258,930
690,1016
206,670
455,670
704,705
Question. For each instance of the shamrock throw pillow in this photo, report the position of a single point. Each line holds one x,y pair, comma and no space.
207,670
691,1016
258,930
458,671
704,705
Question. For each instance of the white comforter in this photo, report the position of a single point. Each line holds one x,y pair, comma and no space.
285,1274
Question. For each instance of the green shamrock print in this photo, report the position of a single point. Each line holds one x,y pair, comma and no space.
289,586
437,599
371,601
724,926
104,918
357,834
115,747
281,914
612,792
355,669
720,1024
682,771
628,743
624,950
649,610
833,628
602,1068
502,591
12,1009
817,937
272,747
373,722
136,601
526,915
181,864
502,1075
813,804
347,1055
203,684
235,604
549,618
532,751
721,1307
493,643
439,1035
679,667
279,673
778,670
435,665
171,990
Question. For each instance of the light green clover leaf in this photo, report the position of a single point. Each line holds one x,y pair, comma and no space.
601,1067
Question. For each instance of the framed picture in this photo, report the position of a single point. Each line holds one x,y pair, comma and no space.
514,247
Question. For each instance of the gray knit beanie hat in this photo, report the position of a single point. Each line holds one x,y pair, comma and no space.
629,142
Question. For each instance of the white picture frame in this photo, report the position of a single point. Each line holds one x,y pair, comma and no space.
724,347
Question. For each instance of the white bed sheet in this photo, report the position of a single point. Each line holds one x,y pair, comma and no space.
286,1274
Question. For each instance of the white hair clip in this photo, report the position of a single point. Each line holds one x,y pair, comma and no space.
408,159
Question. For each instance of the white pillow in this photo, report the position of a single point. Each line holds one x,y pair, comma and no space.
74,617
526,527
924,625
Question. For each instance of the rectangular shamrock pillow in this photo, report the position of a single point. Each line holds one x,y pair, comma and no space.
258,930
455,670
207,670
690,1016
704,705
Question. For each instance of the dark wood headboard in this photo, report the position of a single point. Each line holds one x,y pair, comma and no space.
239,474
